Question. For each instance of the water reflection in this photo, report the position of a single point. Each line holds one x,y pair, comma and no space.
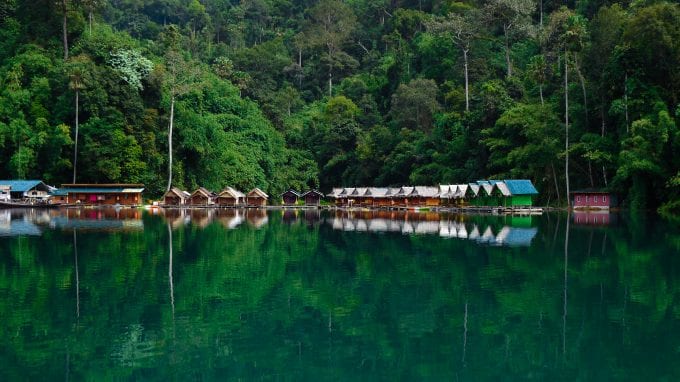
304,299
510,231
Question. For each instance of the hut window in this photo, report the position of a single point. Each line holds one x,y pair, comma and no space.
595,200
587,197
578,198
604,198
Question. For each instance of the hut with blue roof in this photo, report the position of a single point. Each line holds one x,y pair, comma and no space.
26,189
521,193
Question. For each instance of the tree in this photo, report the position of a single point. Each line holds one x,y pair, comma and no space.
514,17
414,104
462,31
331,24
179,77
76,84
91,6
131,65
64,27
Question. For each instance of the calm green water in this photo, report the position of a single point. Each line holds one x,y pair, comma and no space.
235,295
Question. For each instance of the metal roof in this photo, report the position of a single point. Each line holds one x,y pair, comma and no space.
233,192
291,191
22,185
521,187
503,188
312,192
121,190
257,192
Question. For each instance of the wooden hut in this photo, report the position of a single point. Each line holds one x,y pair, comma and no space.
522,192
343,198
503,194
424,196
231,197
290,197
459,195
312,198
202,197
592,199
176,197
485,195
257,198
400,198
358,196
377,197
471,194
104,194
334,195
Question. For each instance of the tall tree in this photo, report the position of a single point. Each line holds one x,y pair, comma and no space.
462,30
64,27
179,78
514,17
76,84
331,24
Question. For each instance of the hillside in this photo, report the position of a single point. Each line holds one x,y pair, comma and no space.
301,94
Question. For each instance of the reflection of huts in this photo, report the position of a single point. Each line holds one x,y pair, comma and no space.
202,197
257,197
290,197
201,217
312,198
257,217
231,197
176,197
229,218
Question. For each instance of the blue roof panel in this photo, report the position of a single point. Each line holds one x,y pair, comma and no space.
521,187
20,185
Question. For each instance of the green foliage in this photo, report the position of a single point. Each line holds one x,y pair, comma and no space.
280,94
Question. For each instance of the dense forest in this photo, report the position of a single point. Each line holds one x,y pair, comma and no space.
294,93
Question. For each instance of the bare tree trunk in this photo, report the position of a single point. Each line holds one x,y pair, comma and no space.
557,188
590,173
540,10
172,116
566,124
540,93
582,80
75,152
64,28
90,19
507,51
604,171
467,86
330,84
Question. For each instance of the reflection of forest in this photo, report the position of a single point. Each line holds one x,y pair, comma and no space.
295,301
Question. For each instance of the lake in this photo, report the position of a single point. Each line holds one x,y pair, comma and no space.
343,296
